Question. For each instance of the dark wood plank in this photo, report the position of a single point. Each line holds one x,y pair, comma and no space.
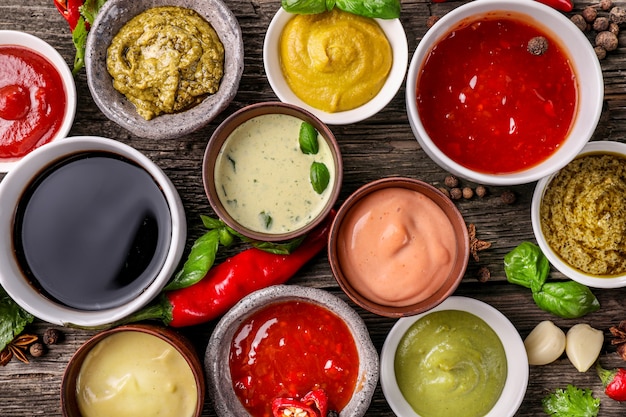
379,147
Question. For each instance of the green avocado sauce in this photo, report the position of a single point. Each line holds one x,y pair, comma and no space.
450,363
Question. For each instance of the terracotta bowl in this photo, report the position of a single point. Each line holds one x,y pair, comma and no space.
69,402
349,279
115,14
216,360
216,144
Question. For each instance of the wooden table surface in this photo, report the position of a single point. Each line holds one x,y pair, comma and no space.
381,146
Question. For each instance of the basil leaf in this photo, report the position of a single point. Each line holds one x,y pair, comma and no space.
527,266
320,177
304,6
567,299
308,139
199,261
281,248
381,9
13,319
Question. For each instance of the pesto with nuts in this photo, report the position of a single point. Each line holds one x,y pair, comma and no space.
166,60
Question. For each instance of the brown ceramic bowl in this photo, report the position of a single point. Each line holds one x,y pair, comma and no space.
222,203
351,281
69,403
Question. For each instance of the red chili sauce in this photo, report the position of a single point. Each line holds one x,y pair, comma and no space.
491,105
288,349
32,101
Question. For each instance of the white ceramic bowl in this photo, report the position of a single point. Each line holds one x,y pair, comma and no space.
583,60
13,37
216,360
618,281
12,276
115,14
517,361
271,60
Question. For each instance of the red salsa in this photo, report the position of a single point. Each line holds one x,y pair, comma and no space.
32,101
289,349
491,105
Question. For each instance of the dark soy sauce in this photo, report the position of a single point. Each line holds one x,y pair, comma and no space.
92,231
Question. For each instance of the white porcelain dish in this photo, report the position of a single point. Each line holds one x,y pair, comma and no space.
517,360
583,60
271,60
115,14
596,147
12,189
14,37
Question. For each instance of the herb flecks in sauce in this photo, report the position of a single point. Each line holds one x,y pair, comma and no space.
166,60
583,214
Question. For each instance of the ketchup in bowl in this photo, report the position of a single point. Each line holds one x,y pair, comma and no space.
32,101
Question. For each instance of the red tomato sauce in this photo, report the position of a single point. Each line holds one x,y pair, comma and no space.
489,104
32,101
288,349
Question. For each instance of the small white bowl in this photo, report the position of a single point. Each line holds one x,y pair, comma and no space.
163,265
618,281
216,360
115,14
271,61
583,60
13,37
517,361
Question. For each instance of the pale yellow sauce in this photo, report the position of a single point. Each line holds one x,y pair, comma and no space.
130,374
335,61
261,173
396,247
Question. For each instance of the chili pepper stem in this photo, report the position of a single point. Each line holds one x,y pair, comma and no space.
606,375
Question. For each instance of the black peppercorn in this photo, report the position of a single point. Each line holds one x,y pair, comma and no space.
36,349
468,193
481,191
456,193
451,181
537,45
508,197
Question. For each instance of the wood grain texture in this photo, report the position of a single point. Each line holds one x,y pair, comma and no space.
381,146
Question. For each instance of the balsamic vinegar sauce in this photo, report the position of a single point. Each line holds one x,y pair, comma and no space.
92,231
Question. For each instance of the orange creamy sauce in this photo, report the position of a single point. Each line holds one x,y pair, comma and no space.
396,247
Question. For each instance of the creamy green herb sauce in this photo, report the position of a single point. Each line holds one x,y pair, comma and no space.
166,60
262,176
450,363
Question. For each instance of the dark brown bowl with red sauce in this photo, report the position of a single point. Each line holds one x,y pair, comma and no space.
287,347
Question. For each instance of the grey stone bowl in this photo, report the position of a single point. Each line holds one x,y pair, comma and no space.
115,14
216,360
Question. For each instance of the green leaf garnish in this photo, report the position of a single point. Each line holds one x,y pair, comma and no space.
14,319
320,177
308,139
571,401
266,219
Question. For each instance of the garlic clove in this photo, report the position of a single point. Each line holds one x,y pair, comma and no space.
583,345
545,343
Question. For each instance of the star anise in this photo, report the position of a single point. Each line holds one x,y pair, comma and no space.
17,348
476,245
619,338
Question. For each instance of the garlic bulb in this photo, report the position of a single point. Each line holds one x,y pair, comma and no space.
583,345
545,343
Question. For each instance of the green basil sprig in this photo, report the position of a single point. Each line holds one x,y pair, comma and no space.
381,9
309,144
527,266
320,177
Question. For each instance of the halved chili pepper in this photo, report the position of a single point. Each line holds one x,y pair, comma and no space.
614,382
228,282
313,404
70,10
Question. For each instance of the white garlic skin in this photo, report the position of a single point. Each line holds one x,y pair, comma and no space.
583,345
545,343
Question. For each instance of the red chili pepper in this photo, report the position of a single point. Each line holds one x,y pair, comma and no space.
614,381
70,10
313,404
227,283
562,5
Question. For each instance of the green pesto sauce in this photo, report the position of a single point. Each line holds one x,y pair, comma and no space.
166,60
450,363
